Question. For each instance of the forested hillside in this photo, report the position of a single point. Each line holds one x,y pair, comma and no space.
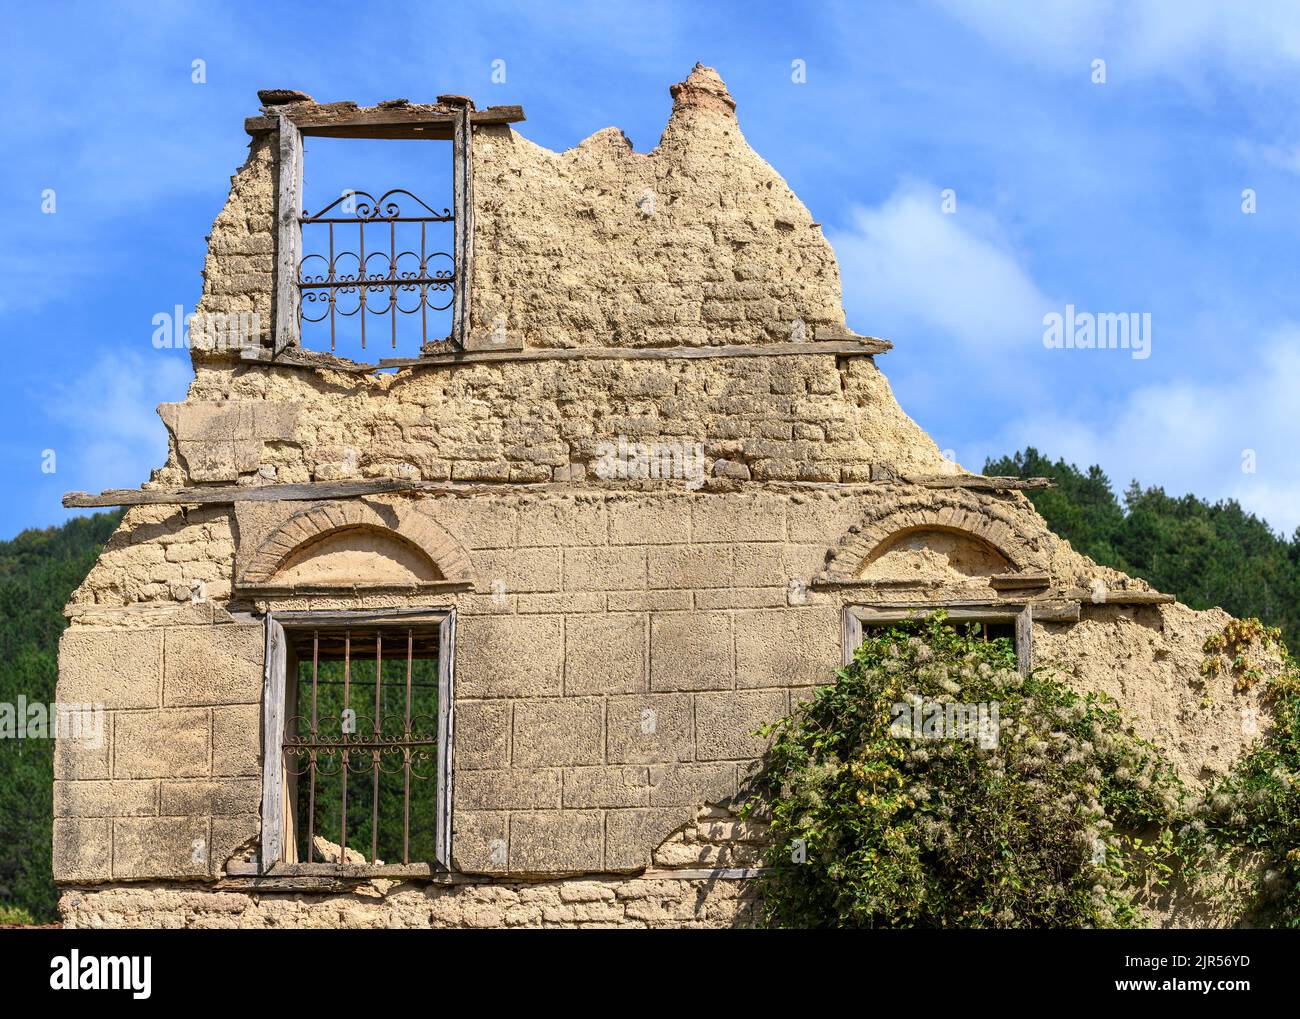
1206,553
38,571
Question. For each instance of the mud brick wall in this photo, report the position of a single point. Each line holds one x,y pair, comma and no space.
698,242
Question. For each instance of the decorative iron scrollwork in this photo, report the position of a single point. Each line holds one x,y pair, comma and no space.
365,750
388,279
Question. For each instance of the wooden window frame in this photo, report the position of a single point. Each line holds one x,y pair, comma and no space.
276,807
287,334
857,617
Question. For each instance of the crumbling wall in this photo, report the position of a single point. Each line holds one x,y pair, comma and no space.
699,242
239,268
161,555
1148,658
649,902
763,418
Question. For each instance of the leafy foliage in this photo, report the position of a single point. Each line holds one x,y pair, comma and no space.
874,826
16,915
39,570
1251,817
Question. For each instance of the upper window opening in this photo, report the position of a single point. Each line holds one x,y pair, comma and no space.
377,270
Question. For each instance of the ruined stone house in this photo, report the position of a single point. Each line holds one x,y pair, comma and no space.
541,576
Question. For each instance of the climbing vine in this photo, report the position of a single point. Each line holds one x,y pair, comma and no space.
933,785
1248,822
888,809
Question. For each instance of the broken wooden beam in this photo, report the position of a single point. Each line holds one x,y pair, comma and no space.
859,347
844,333
219,494
1119,596
977,481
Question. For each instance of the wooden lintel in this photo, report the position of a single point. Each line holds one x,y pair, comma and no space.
1117,596
860,347
1048,611
977,481
221,494
1015,581
410,121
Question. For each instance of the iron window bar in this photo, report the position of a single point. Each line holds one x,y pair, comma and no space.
397,274
375,749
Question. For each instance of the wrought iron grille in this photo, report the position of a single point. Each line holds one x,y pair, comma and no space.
384,274
354,771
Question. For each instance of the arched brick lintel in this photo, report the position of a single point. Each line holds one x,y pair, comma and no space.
318,522
863,543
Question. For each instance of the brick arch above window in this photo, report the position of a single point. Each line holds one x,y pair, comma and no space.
994,526
447,561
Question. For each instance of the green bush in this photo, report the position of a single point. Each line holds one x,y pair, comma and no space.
1057,825
1249,820
15,915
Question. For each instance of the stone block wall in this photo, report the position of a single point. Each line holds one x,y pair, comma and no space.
601,903
174,785
614,657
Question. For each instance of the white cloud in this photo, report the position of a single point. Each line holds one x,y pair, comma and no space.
1190,436
1138,38
109,435
906,264
1285,156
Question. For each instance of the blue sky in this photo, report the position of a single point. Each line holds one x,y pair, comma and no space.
1114,197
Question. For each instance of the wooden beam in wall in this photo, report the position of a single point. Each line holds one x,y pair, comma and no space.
288,237
977,481
863,347
411,121
224,494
